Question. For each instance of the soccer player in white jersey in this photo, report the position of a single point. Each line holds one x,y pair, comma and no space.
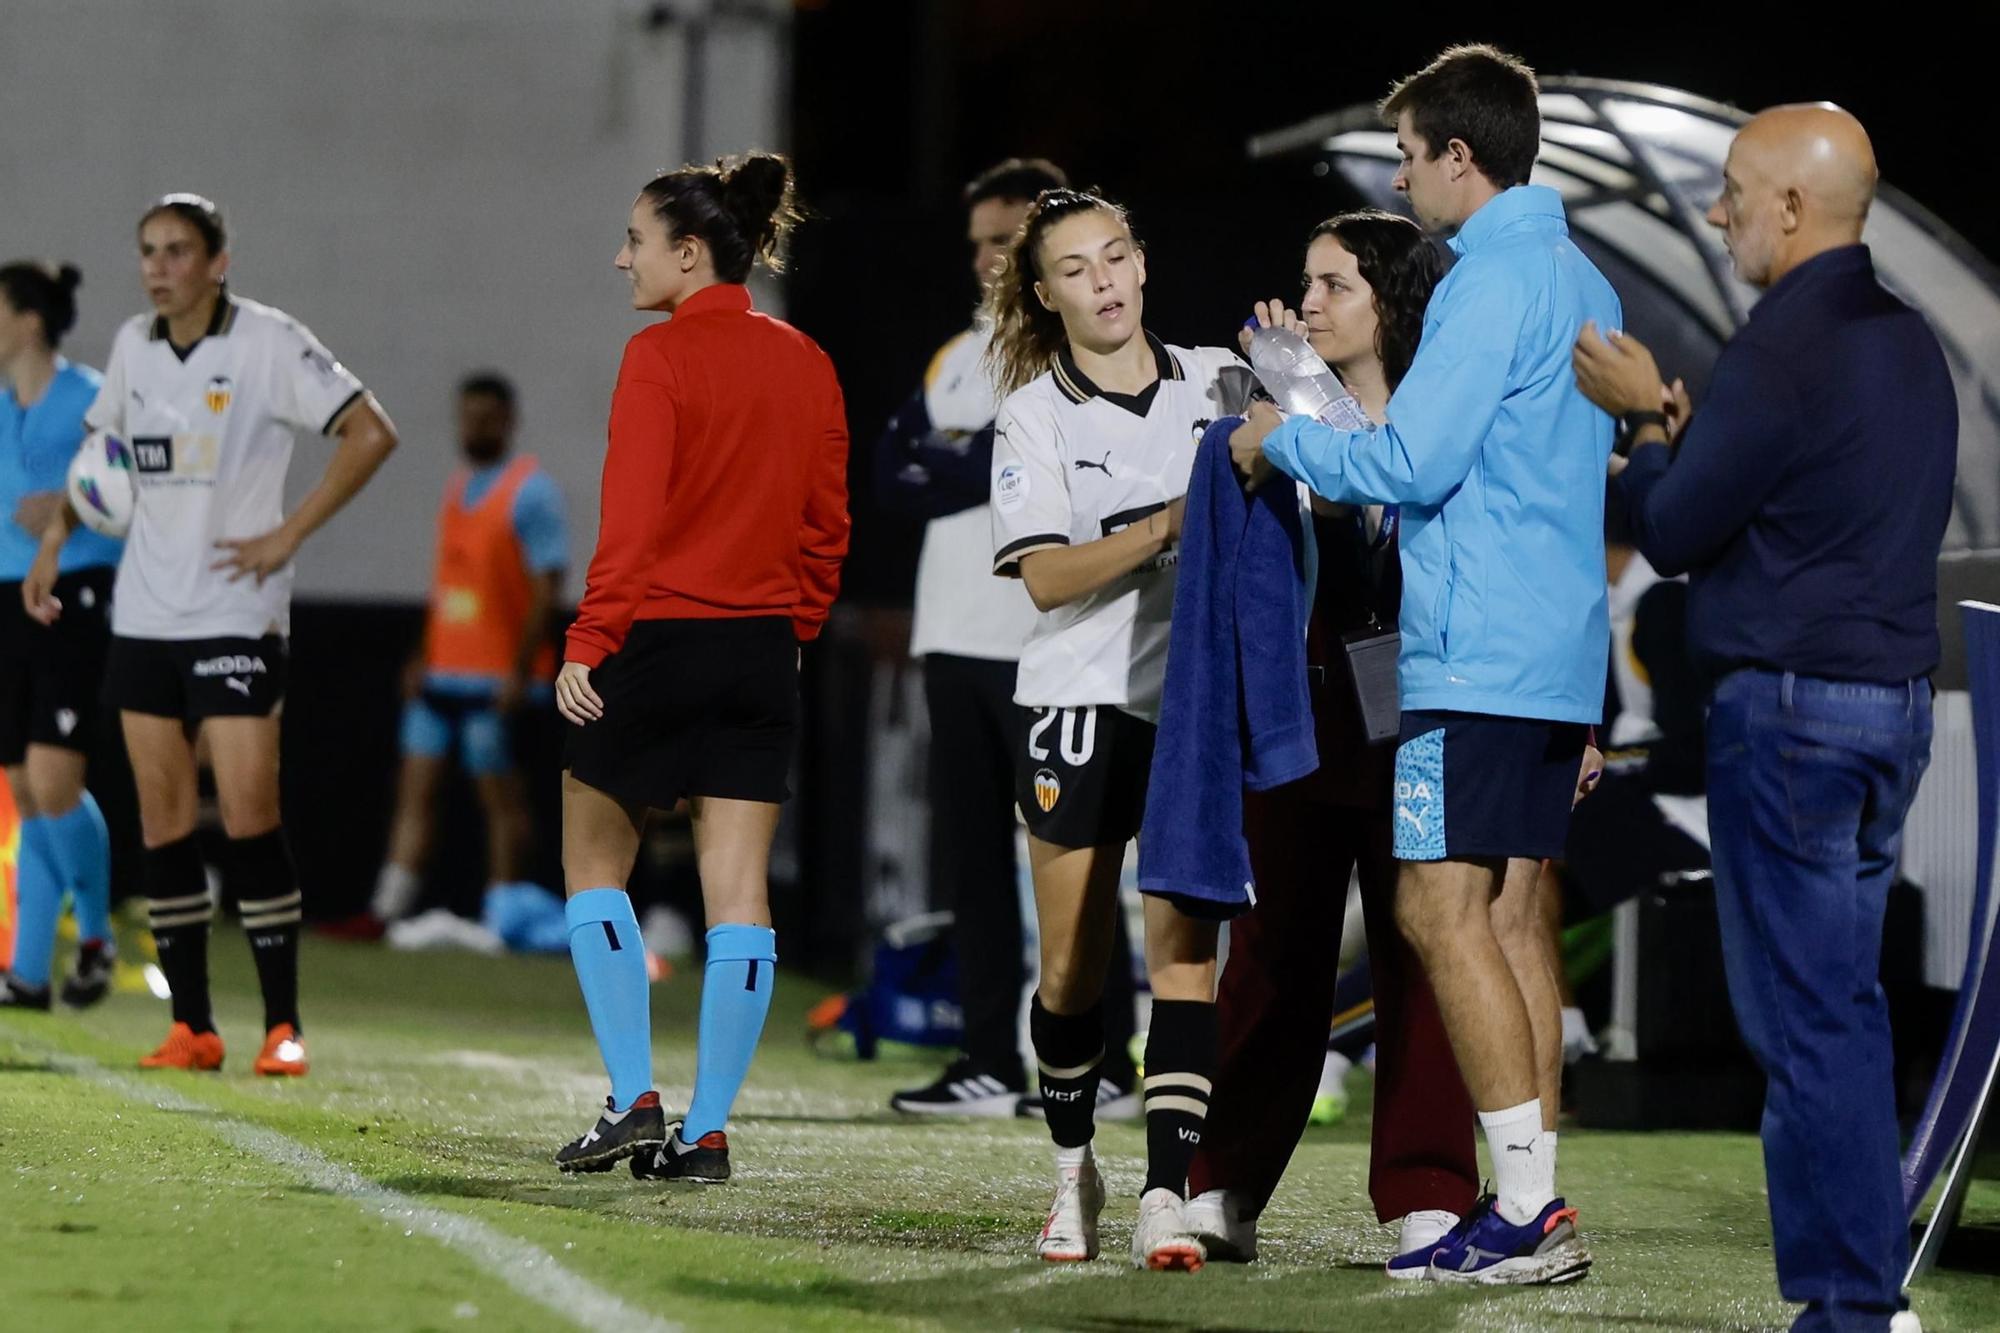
1092,452
209,391
935,462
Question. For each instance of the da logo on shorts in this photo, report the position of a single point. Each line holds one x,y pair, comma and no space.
220,391
1048,789
1420,805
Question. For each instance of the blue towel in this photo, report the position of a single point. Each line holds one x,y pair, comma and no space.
1234,712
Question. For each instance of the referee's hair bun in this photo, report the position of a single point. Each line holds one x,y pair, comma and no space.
741,206
69,277
757,188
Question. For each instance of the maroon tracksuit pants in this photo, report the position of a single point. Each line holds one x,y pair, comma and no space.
1276,1005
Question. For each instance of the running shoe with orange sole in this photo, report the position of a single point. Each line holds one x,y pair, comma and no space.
284,1053
185,1048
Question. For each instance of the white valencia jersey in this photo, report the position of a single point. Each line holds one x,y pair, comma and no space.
211,435
1072,464
961,609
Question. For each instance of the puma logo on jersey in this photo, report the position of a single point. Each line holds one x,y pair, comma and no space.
322,364
1104,467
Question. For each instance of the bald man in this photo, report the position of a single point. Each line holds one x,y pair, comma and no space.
1807,500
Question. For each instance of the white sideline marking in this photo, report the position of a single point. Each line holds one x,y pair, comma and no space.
528,1269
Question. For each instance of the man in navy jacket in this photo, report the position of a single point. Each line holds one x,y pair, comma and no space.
1807,501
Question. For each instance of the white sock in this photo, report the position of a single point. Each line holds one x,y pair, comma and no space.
396,890
1549,1146
1070,1158
1524,1174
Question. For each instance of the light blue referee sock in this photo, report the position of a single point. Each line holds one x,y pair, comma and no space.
80,846
38,890
735,997
611,969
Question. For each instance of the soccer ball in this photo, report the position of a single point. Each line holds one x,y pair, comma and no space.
100,484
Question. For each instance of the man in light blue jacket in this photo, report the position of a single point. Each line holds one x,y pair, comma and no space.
1496,462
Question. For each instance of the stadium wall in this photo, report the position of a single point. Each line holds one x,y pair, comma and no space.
419,181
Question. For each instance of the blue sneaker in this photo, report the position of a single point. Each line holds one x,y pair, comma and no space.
1486,1248
1412,1266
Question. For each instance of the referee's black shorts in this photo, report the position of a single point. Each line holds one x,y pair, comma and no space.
693,708
49,673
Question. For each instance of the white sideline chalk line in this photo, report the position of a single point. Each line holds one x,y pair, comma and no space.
528,1269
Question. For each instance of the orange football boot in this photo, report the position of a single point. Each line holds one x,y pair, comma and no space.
283,1053
185,1048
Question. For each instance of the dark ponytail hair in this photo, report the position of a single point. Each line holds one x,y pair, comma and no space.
742,208
1027,334
198,212
45,290
1402,266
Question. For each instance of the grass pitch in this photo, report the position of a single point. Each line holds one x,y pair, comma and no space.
442,1083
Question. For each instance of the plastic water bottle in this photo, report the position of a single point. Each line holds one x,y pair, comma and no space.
1300,382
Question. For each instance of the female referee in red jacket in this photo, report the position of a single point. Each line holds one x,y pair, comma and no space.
718,552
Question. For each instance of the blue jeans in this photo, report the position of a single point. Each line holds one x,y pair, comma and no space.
1808,783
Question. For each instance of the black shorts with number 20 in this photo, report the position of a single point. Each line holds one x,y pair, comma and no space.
1080,774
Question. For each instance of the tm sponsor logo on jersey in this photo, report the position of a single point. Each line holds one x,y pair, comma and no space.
231,664
153,453
178,460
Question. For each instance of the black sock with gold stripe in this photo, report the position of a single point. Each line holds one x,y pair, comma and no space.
1180,1068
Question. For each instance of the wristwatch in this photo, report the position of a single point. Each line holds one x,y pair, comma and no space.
1630,425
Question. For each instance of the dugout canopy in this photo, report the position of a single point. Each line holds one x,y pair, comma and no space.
1638,166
